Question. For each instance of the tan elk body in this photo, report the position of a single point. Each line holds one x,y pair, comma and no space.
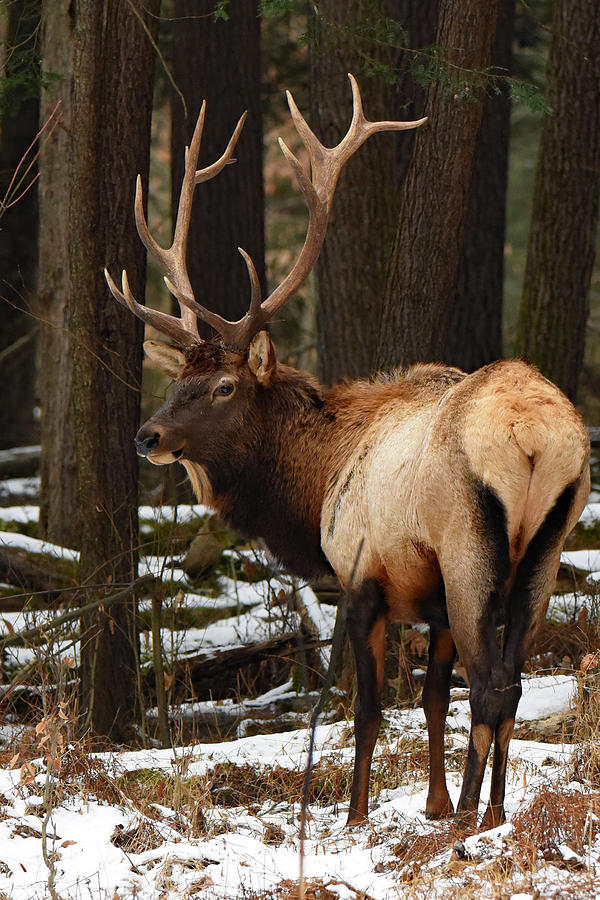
447,497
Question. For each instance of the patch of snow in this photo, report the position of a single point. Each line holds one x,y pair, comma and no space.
183,513
590,514
15,453
546,695
22,514
34,545
22,487
566,607
587,560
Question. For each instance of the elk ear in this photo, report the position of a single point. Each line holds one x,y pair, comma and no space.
262,360
171,360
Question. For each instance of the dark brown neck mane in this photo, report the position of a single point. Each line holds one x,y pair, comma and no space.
273,487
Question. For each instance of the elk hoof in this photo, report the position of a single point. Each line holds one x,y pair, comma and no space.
442,809
493,816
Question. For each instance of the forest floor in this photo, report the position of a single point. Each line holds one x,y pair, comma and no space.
221,818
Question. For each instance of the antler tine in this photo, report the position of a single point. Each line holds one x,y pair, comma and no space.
316,150
226,159
172,260
359,117
169,325
255,304
326,163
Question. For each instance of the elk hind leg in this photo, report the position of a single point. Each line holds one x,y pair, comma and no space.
526,605
436,697
475,573
366,626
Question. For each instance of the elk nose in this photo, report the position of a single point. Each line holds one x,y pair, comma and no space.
145,444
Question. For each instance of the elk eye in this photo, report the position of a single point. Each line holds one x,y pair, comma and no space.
224,389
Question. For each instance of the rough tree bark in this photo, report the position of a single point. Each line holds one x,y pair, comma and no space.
107,142
351,270
111,113
475,329
219,61
428,245
419,20
560,255
59,521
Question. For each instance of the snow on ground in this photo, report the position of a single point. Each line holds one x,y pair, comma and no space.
34,545
242,850
591,514
156,514
588,560
28,488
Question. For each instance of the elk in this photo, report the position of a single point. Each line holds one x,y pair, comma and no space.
459,488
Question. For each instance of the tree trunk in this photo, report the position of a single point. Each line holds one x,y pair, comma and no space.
560,255
59,519
350,272
18,241
419,20
219,61
475,332
113,106
425,260
107,135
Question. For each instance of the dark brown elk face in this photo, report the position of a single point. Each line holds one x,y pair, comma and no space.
210,401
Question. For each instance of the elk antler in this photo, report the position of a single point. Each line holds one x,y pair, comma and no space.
172,260
326,165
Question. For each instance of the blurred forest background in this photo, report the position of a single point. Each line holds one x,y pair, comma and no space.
471,239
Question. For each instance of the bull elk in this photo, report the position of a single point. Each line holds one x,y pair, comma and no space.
460,488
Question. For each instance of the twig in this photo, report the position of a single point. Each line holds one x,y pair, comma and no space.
23,637
17,345
159,673
15,190
339,632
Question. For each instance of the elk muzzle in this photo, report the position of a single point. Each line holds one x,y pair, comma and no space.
152,442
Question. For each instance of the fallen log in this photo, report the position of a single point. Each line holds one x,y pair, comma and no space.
32,573
217,674
22,638
205,722
20,462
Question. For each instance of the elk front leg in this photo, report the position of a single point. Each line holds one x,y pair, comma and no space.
436,697
366,626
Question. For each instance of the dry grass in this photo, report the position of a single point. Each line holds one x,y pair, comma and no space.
137,838
586,762
315,889
556,819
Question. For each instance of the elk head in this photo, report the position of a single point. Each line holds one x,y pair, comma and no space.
216,380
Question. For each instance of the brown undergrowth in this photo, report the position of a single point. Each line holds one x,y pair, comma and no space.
227,785
554,820
315,889
558,827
